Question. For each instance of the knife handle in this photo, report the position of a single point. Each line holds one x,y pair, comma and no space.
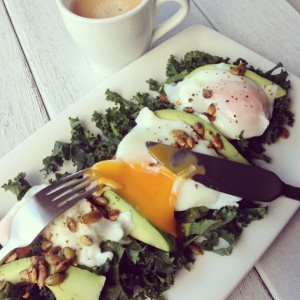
291,191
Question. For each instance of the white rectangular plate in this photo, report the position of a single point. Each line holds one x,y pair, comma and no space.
213,277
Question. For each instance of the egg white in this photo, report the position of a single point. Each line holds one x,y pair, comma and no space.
58,233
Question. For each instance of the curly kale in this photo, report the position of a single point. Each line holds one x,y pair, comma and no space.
18,186
215,225
177,70
138,265
87,148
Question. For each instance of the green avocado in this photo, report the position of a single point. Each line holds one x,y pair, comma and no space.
79,284
261,81
229,151
144,231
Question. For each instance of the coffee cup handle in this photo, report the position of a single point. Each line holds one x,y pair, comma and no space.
171,22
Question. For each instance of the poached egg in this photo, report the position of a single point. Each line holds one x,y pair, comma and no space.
235,104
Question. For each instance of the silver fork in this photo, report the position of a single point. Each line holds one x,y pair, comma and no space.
37,212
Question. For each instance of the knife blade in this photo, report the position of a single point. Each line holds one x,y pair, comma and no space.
246,181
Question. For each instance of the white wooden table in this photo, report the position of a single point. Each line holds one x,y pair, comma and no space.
42,72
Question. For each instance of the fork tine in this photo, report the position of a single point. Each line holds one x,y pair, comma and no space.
64,196
69,203
60,182
65,188
79,197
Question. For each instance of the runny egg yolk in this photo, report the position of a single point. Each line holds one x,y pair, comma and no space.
149,190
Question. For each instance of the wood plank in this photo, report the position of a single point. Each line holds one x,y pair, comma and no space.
270,28
295,4
194,17
280,266
251,287
61,72
22,111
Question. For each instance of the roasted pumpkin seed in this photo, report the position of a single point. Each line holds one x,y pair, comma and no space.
199,129
217,142
238,70
62,266
69,253
42,275
3,284
55,279
46,245
32,274
113,214
86,240
11,257
91,217
71,224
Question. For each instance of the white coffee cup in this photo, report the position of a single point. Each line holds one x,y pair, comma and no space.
112,43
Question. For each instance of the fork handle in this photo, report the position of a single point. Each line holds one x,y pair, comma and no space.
6,251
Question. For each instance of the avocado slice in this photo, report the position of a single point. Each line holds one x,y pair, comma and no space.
229,151
10,271
261,81
79,284
144,231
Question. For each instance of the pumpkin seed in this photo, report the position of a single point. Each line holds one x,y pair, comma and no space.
46,245
62,266
69,253
71,224
3,284
42,275
217,142
32,274
24,275
91,217
55,279
199,129
11,257
113,214
86,240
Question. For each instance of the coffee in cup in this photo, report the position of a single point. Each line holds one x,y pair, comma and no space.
100,9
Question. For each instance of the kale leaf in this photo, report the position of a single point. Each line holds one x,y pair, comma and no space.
87,148
138,270
18,186
213,226
177,70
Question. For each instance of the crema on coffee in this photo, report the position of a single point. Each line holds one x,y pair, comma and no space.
100,9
